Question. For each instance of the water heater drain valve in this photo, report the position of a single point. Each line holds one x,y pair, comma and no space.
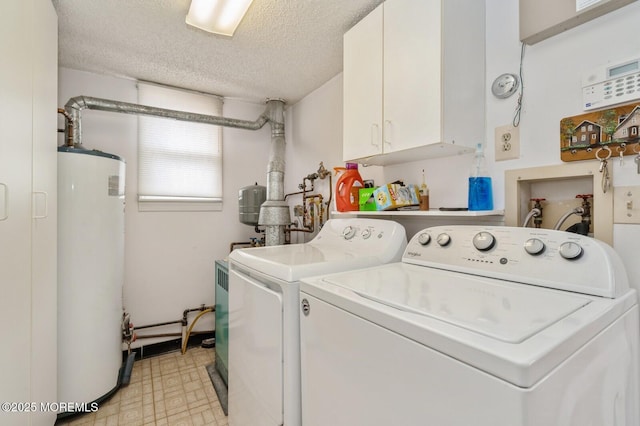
128,336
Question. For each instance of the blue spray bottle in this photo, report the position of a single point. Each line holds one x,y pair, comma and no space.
480,191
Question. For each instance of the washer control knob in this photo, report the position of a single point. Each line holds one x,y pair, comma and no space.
484,241
443,240
424,238
366,233
570,250
534,246
348,232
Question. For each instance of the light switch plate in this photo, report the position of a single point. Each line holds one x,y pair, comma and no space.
626,204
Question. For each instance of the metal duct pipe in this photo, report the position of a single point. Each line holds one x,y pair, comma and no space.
274,212
75,106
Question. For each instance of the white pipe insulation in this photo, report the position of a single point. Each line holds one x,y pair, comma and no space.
274,213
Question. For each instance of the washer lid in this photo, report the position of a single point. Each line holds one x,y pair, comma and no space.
292,262
341,244
489,307
514,331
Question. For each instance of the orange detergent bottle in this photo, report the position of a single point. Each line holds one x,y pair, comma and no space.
347,189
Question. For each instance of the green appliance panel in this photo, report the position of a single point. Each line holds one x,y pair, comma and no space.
222,318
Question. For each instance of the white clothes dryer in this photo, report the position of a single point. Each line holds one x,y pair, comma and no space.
264,345
483,326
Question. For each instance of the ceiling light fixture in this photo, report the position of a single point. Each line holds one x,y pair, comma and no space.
217,16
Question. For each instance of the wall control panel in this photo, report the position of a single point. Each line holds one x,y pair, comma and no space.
611,84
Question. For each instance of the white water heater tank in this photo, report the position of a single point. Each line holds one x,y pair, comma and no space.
90,273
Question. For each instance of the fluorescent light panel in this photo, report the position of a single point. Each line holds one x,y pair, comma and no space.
217,16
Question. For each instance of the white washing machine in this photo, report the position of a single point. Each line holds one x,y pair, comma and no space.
483,326
264,329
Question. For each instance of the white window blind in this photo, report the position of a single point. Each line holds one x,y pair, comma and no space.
179,162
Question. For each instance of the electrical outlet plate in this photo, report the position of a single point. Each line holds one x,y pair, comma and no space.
507,142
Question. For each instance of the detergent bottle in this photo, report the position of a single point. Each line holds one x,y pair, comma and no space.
347,188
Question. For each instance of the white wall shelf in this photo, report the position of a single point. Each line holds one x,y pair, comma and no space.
420,213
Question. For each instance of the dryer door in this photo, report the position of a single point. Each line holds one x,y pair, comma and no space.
255,352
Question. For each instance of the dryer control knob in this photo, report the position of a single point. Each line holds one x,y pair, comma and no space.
484,241
443,240
366,233
534,246
424,238
570,250
348,232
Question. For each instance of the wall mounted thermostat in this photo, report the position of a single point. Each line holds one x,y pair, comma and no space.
611,84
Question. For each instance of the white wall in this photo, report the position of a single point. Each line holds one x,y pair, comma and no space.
170,256
553,70
314,134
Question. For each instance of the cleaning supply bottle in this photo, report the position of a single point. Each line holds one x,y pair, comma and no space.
348,188
424,194
480,191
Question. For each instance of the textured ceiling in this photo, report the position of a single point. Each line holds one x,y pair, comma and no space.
282,48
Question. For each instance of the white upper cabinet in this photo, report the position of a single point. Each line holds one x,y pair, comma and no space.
414,81
362,131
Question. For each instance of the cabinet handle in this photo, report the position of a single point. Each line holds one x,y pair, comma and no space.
46,205
5,204
387,132
374,135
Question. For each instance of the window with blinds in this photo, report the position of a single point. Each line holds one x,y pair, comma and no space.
179,162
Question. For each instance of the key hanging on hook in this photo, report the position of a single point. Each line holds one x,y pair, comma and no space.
606,181
636,159
621,149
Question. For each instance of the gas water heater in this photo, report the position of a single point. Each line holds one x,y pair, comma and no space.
90,273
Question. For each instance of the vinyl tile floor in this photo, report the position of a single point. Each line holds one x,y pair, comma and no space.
164,390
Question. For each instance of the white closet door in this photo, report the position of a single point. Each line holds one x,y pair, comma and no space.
44,210
28,101
15,204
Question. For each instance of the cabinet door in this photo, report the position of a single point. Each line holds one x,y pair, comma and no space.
362,104
44,210
412,73
15,205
